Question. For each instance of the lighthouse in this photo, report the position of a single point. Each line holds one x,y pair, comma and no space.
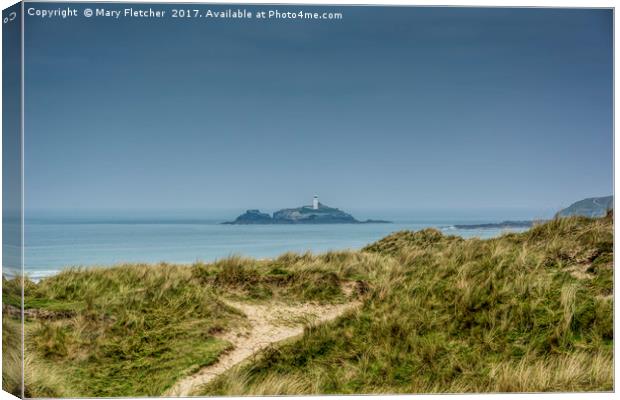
315,202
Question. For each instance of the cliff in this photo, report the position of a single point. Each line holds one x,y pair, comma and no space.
591,207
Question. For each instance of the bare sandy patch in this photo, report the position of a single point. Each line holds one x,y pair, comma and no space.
579,271
267,324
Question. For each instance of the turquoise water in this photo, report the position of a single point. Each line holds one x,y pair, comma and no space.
53,243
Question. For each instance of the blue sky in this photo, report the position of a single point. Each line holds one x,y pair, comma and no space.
404,108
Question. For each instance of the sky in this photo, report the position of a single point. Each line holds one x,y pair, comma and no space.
388,108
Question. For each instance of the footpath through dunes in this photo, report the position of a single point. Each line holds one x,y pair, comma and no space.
268,324
135,330
523,312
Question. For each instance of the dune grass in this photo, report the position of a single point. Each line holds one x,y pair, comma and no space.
522,312
11,355
129,330
134,330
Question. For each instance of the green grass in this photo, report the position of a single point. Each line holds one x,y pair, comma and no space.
453,315
522,312
11,355
134,330
123,331
290,277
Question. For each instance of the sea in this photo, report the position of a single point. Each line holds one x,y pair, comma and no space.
54,240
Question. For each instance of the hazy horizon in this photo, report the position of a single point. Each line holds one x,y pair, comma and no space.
226,213
390,108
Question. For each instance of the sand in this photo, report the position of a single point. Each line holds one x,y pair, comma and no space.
268,324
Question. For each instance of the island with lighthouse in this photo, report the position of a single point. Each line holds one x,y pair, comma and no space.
317,213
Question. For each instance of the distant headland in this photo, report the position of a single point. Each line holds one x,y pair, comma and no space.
497,225
317,213
593,207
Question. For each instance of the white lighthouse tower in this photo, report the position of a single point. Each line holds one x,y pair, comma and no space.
315,202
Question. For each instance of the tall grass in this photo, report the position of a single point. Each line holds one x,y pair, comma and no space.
522,312
134,330
11,355
128,330
452,315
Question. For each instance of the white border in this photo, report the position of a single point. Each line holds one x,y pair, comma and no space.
471,3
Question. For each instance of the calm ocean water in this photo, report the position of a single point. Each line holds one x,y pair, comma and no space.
54,242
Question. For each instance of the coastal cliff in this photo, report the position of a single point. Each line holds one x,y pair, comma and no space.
592,207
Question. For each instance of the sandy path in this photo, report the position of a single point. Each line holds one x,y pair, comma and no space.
269,324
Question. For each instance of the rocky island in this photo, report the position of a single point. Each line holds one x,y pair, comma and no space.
317,213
